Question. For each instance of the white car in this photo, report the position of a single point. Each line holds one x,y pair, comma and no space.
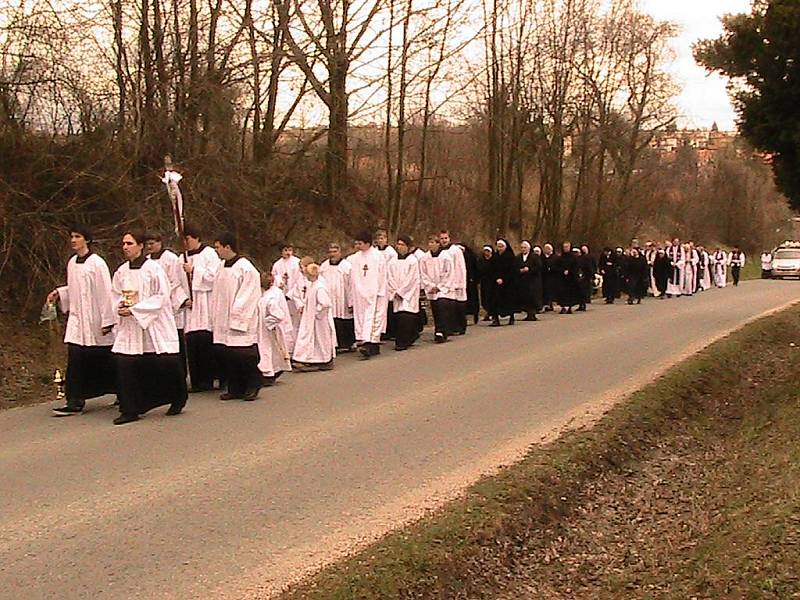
786,263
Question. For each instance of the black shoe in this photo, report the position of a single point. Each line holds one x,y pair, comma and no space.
495,322
563,311
251,395
363,350
569,310
267,380
328,366
511,320
530,317
122,419
582,308
227,396
400,348
200,389
67,411
174,410
439,338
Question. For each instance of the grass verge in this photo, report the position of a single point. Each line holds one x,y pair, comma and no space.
690,488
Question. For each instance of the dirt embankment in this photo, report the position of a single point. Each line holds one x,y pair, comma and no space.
29,354
690,489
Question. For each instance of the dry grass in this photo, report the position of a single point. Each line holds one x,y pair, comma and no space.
691,488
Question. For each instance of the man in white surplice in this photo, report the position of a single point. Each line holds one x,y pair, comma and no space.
336,271
201,265
316,339
179,292
288,274
275,325
87,301
403,281
237,290
677,259
368,294
149,373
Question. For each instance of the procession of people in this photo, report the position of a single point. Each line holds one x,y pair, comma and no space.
169,324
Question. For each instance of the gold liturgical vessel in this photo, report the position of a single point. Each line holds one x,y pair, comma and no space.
130,298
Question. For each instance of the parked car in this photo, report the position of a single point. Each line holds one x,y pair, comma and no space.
786,261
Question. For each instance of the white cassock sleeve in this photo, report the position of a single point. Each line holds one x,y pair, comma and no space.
246,301
148,310
273,313
63,298
323,301
103,295
174,270
205,270
403,280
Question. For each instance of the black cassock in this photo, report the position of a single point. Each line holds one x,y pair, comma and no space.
551,280
636,276
662,269
504,295
610,270
529,285
471,262
569,292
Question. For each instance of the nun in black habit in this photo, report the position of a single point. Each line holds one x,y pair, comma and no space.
503,283
550,277
569,292
610,267
662,269
485,280
471,261
637,275
529,283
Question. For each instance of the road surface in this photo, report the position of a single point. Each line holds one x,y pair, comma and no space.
231,500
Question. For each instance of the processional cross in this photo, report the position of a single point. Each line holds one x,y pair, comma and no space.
365,268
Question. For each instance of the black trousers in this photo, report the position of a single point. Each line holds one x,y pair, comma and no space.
145,381
450,315
391,323
461,316
736,272
182,351
91,372
406,332
345,333
202,359
240,368
439,324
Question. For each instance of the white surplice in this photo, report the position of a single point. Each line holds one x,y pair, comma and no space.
453,280
690,272
316,338
237,290
88,301
151,326
368,294
205,263
677,258
719,269
337,279
430,274
403,282
287,276
173,267
274,322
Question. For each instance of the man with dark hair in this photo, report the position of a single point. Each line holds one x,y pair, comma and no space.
403,291
237,291
201,265
179,294
149,372
87,300
368,294
430,267
288,277
453,285
336,271
736,260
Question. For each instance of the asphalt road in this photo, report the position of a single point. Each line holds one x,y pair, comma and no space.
232,499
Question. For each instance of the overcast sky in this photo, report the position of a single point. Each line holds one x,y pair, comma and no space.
703,99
